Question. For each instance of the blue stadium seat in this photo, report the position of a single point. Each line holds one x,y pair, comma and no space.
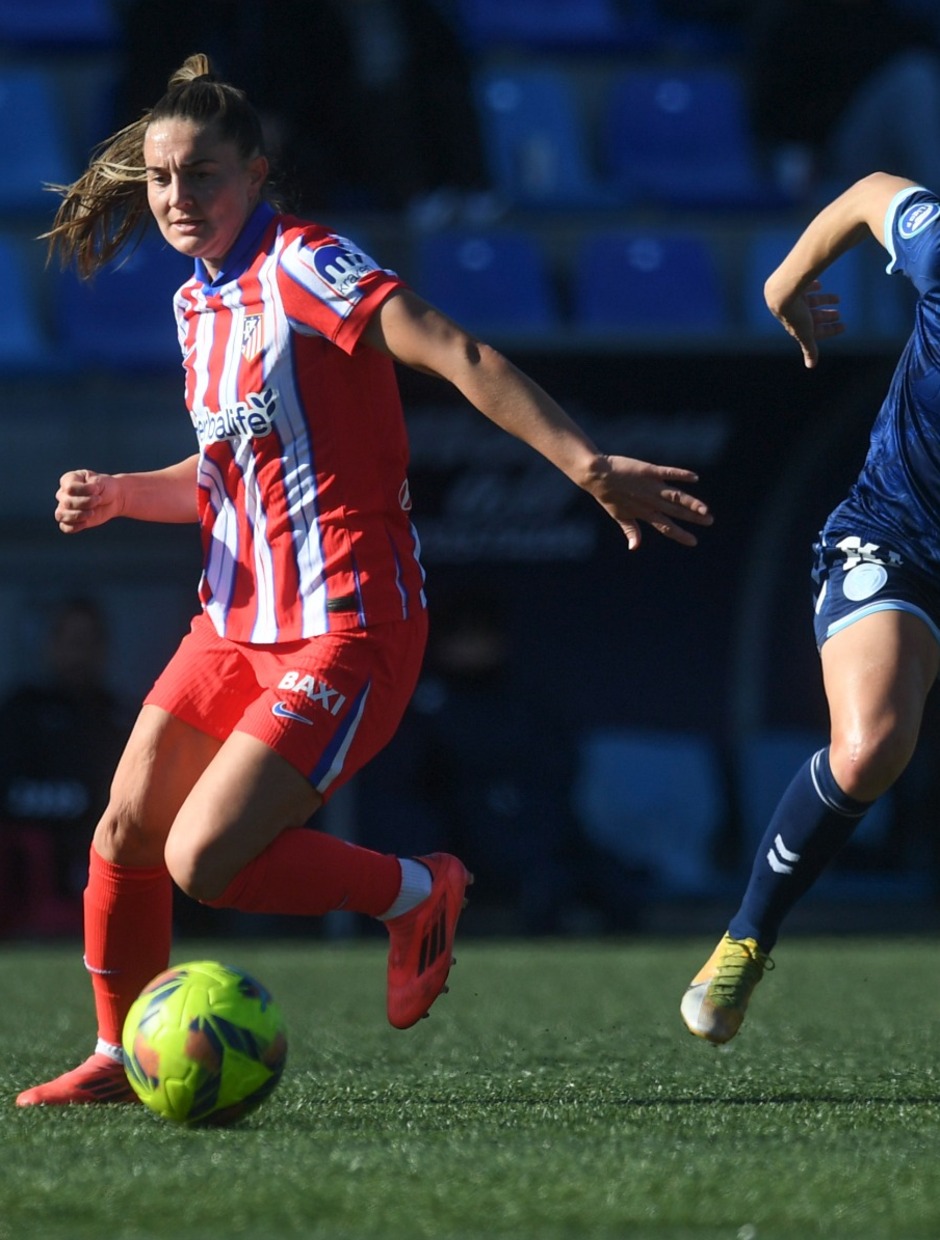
560,25
57,24
534,140
657,799
682,138
123,318
33,149
23,344
648,282
765,251
495,281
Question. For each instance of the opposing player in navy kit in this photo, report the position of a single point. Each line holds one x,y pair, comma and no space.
877,579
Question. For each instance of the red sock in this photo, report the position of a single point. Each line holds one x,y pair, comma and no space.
128,929
311,873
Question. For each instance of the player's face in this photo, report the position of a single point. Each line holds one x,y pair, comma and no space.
200,189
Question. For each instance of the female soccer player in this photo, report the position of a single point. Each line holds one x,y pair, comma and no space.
310,638
877,577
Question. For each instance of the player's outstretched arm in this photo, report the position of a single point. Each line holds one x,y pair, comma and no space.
630,491
633,491
793,292
86,498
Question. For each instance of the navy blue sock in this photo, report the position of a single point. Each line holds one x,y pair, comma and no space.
813,820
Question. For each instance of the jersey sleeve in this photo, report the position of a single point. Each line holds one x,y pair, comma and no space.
912,237
330,288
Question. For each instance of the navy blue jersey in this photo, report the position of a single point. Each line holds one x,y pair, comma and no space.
896,497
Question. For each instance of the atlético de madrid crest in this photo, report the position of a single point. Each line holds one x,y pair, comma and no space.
251,336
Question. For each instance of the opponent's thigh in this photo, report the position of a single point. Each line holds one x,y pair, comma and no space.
877,674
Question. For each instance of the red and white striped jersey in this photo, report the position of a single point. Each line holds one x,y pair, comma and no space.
303,454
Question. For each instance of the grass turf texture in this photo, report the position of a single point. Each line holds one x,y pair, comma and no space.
553,1094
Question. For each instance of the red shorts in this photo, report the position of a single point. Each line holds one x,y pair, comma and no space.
326,704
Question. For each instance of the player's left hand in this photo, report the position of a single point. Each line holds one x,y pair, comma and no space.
632,491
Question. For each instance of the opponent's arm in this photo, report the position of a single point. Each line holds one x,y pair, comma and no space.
418,335
793,293
86,498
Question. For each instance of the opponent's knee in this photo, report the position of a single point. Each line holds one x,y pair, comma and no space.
866,767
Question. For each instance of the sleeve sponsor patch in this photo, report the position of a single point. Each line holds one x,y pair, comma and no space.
341,265
916,218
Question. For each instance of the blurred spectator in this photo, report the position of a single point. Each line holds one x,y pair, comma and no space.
60,738
841,87
367,104
484,765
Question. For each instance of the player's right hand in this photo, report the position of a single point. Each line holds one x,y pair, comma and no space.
86,499
809,317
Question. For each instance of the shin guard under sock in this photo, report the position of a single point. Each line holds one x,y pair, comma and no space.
128,930
812,822
306,872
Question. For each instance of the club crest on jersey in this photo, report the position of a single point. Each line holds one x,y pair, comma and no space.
915,219
341,265
251,336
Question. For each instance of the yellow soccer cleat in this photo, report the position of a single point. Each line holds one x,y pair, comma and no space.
713,1007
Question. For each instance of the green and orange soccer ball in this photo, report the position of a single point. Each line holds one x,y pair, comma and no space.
204,1044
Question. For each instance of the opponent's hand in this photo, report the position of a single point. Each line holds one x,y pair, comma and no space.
632,491
808,317
86,499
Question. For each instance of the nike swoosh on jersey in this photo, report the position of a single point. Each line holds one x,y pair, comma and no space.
283,711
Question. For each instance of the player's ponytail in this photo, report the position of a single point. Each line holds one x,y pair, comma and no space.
106,207
197,65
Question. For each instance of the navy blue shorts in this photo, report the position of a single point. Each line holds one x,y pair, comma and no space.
855,577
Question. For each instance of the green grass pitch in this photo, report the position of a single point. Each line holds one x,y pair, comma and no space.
553,1094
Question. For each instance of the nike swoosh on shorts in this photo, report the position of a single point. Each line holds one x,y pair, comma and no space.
283,711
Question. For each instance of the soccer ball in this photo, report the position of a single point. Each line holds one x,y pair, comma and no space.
204,1044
